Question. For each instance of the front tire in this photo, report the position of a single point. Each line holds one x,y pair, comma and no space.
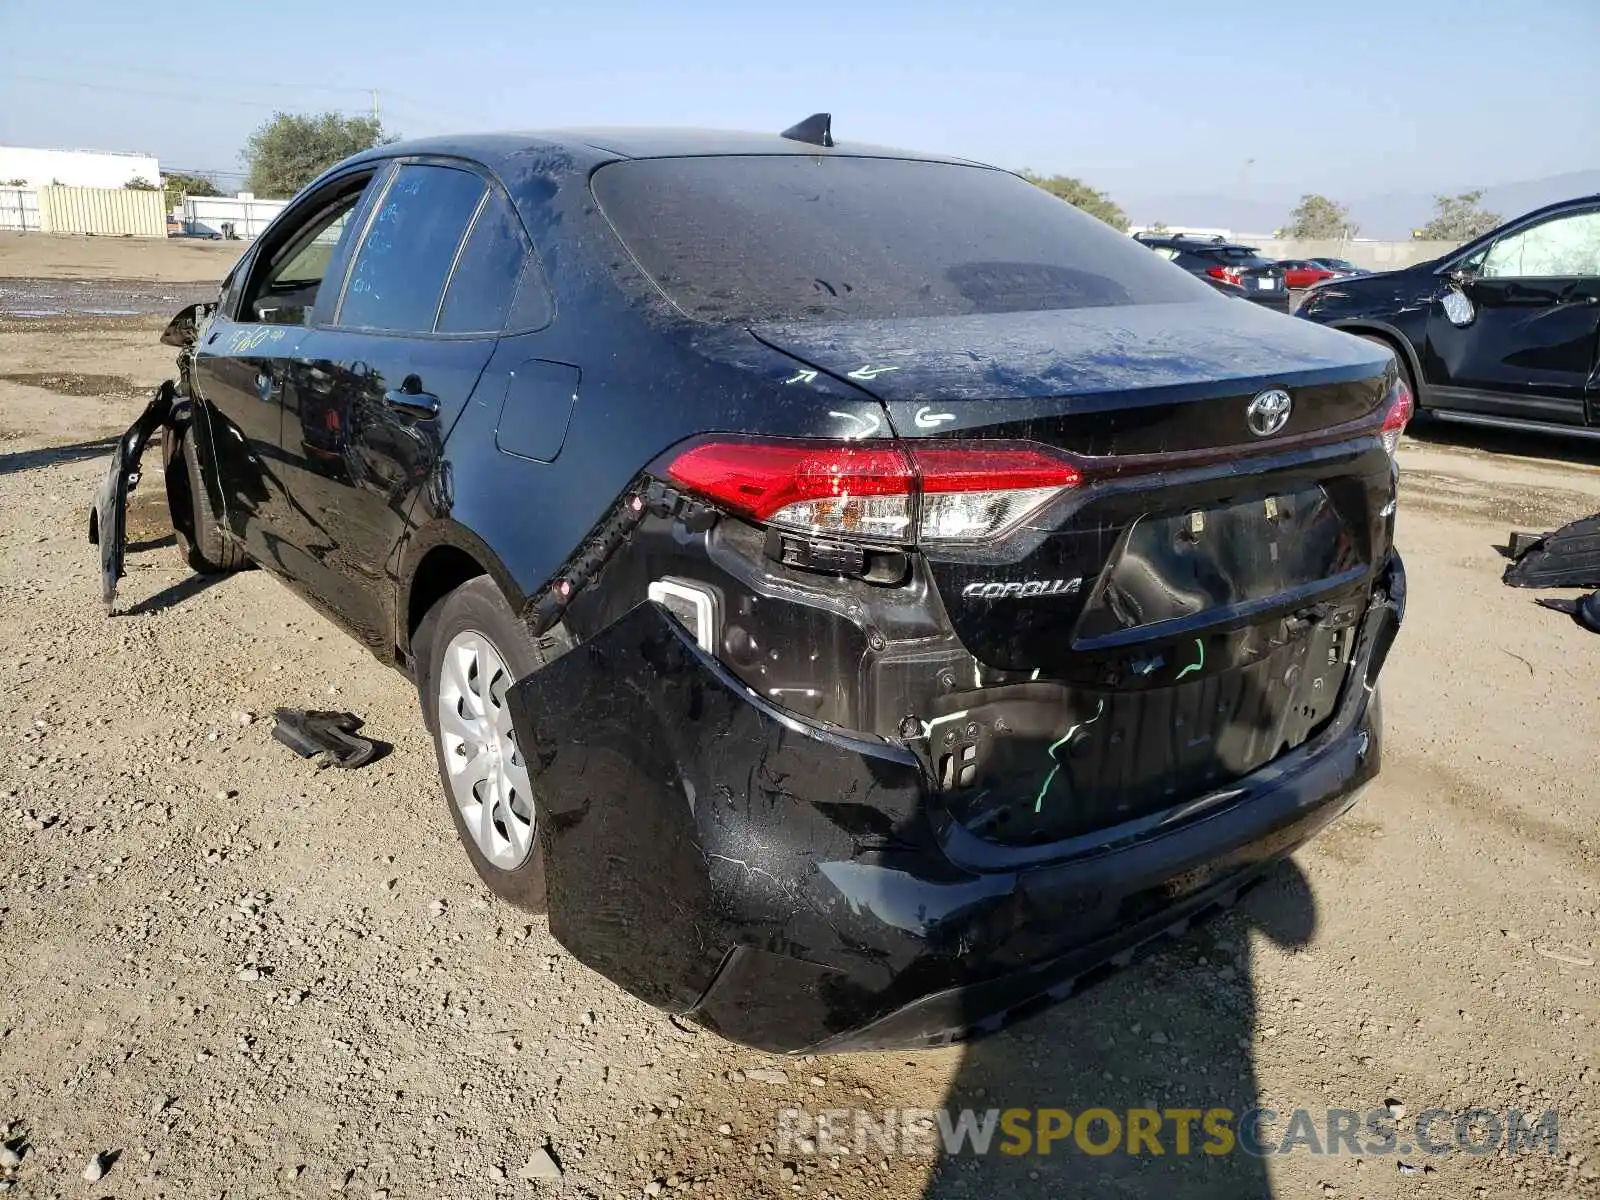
470,649
204,546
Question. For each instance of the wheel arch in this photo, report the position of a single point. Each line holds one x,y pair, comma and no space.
436,560
1398,341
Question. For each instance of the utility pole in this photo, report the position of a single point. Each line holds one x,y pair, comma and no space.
1244,179
374,103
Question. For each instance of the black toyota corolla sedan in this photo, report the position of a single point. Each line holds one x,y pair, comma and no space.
1504,331
858,594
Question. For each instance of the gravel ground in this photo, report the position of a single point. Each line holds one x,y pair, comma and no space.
223,973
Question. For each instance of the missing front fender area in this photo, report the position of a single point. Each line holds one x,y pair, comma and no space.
684,816
108,518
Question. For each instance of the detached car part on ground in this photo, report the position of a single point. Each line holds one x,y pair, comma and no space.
1503,332
1568,557
859,593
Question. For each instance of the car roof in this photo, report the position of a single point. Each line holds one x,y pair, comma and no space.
1183,241
584,149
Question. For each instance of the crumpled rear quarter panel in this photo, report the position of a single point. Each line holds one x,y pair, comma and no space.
683,815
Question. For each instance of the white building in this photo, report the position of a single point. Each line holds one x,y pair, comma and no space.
76,168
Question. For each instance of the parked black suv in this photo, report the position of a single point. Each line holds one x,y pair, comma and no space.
858,592
1504,331
1228,263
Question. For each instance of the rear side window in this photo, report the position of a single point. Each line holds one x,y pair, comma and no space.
486,274
744,238
400,270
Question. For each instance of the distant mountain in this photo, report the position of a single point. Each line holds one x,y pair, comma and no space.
1205,211
1396,214
1387,215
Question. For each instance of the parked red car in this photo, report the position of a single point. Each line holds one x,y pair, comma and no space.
1301,273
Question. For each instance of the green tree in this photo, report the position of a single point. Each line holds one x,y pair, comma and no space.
1080,195
178,185
1317,218
1159,227
140,184
1459,219
291,150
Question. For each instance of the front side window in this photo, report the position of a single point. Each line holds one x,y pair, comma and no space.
750,238
1563,247
410,246
285,290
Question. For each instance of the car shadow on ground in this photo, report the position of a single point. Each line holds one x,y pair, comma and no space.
27,460
172,596
1172,1032
1582,452
151,543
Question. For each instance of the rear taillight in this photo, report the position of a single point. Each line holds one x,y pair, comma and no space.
1397,416
945,493
857,490
1226,274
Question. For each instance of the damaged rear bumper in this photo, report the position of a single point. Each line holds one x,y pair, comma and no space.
794,888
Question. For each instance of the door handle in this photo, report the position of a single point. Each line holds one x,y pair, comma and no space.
413,404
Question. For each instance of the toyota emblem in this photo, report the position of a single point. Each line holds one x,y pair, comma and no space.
1269,412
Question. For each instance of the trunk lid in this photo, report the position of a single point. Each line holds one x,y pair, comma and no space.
1144,379
1188,613
1261,279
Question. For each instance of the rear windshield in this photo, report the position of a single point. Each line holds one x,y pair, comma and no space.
744,239
1242,256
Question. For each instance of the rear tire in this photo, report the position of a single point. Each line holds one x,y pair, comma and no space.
204,545
470,649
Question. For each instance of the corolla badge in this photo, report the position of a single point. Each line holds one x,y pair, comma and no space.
1269,412
1028,587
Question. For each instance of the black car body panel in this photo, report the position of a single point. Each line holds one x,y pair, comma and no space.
108,518
790,884
1504,331
1064,615
1098,357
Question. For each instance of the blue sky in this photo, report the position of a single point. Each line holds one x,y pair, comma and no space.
1264,100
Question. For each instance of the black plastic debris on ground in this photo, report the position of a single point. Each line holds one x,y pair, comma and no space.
1585,610
1569,557
329,737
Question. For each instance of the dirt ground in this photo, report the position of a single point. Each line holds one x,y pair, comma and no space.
242,977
